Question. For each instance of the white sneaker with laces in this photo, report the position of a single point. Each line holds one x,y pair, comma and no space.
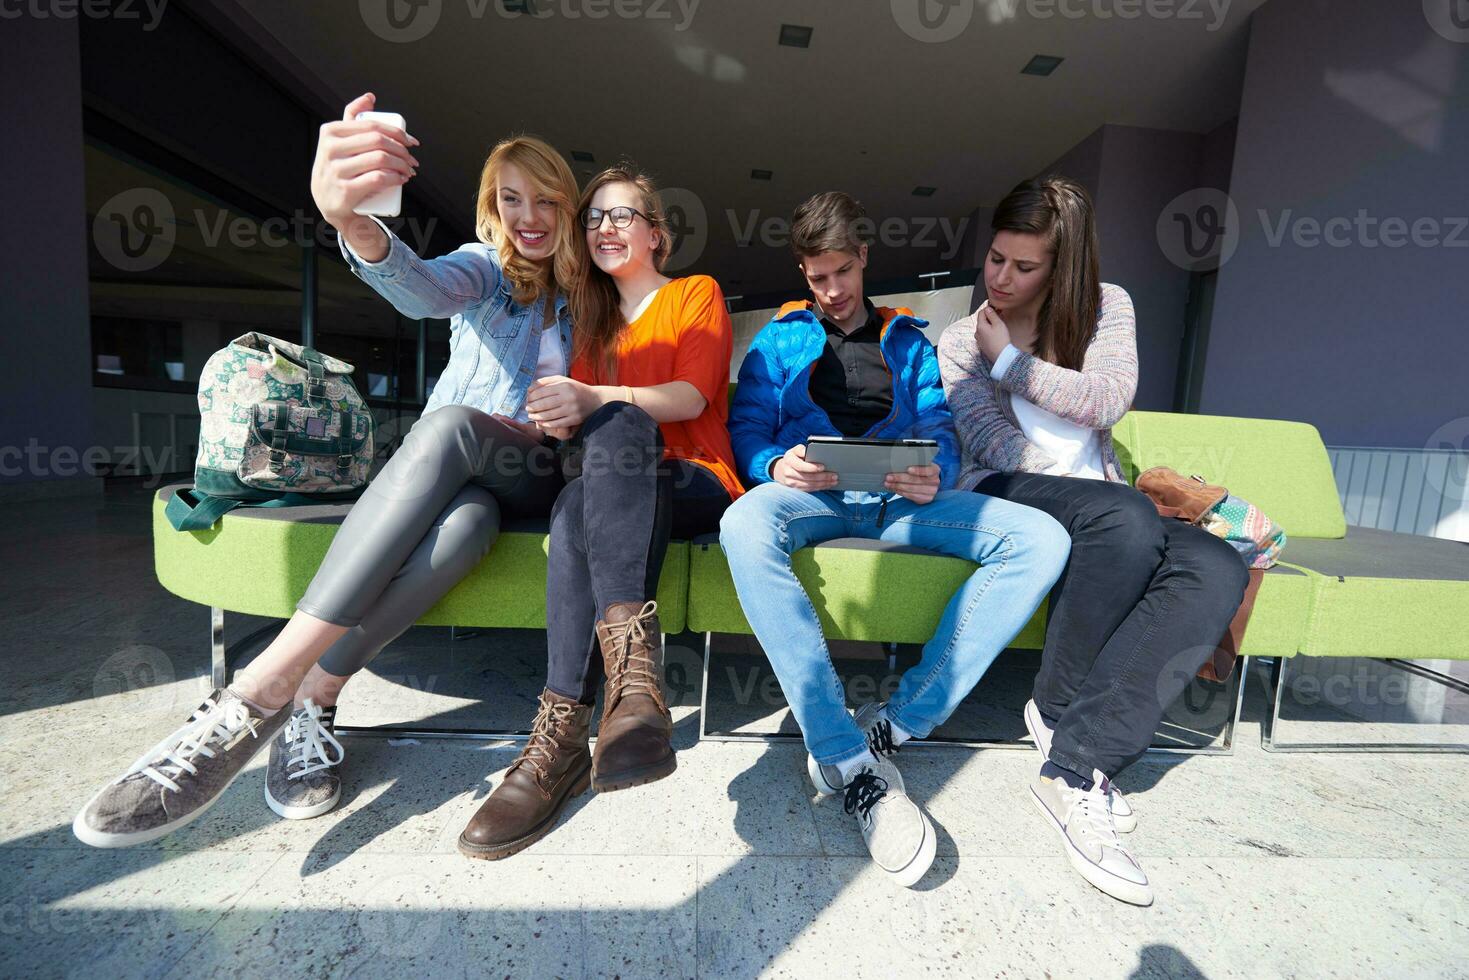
828,778
303,778
898,834
1122,812
1090,837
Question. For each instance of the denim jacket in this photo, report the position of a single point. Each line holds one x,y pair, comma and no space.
494,342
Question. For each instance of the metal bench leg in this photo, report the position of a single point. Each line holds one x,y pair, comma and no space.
219,668
1226,746
1280,684
704,690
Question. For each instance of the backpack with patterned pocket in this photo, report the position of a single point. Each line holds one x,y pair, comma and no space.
279,425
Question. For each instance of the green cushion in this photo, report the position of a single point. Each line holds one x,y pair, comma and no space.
1281,467
260,561
840,577
1387,595
862,590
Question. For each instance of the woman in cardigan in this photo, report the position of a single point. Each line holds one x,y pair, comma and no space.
1036,378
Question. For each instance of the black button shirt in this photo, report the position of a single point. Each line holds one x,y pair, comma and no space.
851,382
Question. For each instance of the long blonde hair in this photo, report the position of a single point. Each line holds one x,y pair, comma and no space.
595,306
552,179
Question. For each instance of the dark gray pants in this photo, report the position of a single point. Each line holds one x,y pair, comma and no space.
423,524
1140,606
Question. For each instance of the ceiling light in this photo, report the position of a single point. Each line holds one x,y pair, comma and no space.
582,156
761,174
1041,64
795,36
924,191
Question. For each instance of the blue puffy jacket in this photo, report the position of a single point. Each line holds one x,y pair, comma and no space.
773,410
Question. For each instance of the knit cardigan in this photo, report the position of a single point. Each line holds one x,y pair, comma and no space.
1097,396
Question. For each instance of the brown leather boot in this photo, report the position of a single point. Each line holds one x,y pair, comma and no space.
553,767
634,739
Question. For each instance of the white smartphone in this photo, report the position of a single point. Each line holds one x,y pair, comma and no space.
385,203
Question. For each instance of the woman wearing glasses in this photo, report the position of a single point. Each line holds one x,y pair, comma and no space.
644,410
432,513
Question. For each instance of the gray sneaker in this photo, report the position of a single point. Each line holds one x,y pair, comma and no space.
898,835
1041,732
1092,846
827,778
180,777
302,780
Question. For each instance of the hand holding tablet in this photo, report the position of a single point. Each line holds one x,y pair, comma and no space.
866,464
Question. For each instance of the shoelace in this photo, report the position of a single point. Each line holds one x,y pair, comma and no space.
212,726
634,673
539,751
863,792
307,740
880,739
1096,818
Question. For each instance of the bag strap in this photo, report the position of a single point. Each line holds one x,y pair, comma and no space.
190,510
316,383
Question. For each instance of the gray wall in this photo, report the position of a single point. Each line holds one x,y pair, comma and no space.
1362,109
45,330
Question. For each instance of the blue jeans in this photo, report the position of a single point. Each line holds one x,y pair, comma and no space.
1021,552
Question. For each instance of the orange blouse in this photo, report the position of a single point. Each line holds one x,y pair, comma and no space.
683,335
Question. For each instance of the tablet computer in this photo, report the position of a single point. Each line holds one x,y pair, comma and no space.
863,464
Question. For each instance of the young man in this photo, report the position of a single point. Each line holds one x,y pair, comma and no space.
836,365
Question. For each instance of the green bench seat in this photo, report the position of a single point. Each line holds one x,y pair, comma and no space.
259,562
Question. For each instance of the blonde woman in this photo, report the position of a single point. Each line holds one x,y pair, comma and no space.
435,509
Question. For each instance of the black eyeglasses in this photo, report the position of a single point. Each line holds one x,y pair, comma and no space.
621,217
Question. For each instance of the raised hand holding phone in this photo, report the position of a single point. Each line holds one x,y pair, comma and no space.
357,160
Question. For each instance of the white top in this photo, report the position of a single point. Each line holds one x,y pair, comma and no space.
1075,448
550,361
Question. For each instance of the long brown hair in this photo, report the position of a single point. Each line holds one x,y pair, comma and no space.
1060,210
552,178
596,309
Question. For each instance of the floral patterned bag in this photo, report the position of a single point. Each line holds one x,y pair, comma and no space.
279,424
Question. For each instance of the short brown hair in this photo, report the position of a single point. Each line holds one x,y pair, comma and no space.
829,222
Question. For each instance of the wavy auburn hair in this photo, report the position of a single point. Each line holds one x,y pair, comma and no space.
551,178
595,305
1060,210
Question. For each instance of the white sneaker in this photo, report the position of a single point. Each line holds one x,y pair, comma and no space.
1122,812
898,834
827,778
1092,846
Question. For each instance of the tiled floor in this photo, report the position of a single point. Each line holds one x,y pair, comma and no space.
1264,865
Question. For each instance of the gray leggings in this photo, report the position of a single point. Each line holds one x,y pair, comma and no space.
423,524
